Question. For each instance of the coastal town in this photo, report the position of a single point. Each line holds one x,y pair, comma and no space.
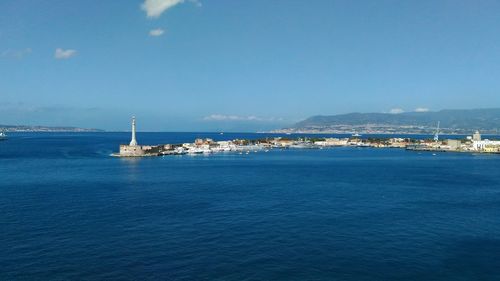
473,144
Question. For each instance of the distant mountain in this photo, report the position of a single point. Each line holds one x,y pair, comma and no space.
27,128
451,121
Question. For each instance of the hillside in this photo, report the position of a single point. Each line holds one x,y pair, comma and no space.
452,121
27,128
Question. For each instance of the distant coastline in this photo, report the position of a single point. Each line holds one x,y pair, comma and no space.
27,128
378,130
452,121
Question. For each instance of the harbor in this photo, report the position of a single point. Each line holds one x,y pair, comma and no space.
472,144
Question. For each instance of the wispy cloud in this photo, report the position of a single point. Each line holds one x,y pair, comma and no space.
421,109
223,117
62,54
154,8
16,54
156,32
396,111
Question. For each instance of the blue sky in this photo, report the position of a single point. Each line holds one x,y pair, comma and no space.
211,65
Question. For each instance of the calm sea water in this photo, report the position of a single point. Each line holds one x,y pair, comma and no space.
68,211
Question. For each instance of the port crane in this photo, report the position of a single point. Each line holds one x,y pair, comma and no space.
436,134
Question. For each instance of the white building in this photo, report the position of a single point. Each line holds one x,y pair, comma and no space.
483,144
332,142
480,145
476,136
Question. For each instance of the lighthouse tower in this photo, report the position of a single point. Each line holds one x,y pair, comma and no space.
133,142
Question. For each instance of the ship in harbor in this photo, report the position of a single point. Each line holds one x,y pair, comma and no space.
3,136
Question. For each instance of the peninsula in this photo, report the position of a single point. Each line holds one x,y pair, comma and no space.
28,128
474,144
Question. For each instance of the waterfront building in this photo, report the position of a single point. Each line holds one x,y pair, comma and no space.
226,145
398,142
203,141
476,136
454,144
492,148
485,145
332,142
282,142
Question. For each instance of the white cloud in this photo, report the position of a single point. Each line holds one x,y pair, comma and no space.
396,111
421,109
156,32
222,117
17,54
62,54
154,8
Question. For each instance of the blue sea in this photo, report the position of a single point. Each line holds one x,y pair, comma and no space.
69,211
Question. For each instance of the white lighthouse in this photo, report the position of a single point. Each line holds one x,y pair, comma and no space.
133,142
132,149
